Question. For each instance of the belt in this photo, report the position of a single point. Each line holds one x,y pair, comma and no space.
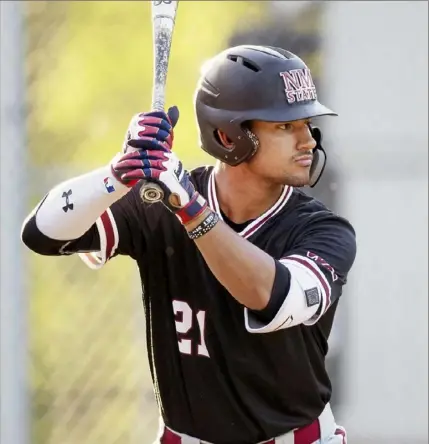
323,427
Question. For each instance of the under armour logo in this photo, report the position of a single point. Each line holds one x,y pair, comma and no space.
68,205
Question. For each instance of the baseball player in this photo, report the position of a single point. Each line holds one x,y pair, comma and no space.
241,270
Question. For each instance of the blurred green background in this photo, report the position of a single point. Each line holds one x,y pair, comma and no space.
89,69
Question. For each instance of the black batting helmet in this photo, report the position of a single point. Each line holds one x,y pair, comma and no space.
246,83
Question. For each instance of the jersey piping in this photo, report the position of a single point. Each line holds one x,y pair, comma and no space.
257,223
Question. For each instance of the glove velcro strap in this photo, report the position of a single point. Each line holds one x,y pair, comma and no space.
193,209
205,226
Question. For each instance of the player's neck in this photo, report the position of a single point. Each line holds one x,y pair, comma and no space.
242,195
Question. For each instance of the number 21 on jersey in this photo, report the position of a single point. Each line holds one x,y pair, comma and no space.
185,321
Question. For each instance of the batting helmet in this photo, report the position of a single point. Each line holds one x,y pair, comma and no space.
246,83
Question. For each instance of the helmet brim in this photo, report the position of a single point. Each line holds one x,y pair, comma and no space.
289,113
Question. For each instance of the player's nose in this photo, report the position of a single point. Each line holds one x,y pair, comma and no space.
306,141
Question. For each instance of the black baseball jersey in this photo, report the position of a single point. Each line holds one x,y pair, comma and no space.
213,378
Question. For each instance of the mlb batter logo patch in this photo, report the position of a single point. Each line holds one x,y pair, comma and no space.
108,184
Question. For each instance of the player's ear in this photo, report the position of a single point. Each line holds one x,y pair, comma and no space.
224,139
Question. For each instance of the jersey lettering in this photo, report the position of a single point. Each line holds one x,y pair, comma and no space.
323,263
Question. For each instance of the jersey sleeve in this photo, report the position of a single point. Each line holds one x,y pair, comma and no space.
116,232
318,261
326,250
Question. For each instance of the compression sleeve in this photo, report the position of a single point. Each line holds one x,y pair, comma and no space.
73,206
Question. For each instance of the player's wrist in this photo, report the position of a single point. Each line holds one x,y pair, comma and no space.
110,181
191,225
193,210
203,224
123,185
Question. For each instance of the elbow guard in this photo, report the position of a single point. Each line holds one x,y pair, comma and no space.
306,299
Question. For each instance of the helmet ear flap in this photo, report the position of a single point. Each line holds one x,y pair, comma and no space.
319,157
224,140
252,139
236,143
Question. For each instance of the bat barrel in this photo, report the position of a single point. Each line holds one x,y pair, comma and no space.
163,20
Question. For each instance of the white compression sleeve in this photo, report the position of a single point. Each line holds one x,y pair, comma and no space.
73,206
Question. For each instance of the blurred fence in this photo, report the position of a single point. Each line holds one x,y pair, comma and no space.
88,69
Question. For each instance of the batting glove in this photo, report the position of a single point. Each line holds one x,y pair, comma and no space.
152,130
163,168
148,157
147,131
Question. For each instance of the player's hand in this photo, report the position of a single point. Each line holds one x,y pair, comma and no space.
161,166
151,131
147,131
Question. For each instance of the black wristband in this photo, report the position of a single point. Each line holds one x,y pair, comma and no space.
205,226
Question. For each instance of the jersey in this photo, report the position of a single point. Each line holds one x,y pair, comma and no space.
217,374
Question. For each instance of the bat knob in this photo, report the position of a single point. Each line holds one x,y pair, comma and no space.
151,193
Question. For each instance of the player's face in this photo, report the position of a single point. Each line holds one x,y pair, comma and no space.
285,153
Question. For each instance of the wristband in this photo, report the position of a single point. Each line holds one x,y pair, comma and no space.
205,226
193,209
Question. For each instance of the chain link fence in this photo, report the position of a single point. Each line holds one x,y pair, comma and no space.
89,69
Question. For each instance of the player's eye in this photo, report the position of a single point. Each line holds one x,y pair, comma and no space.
286,126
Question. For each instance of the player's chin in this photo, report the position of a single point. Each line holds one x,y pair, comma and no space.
298,178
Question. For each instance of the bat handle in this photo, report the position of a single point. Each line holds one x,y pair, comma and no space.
151,192
163,17
158,100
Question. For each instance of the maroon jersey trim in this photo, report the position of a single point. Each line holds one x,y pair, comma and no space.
258,222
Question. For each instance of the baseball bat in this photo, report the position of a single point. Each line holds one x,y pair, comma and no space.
163,19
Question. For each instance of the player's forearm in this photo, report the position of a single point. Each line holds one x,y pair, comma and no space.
243,269
73,206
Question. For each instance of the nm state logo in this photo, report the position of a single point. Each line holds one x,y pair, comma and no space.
299,85
108,184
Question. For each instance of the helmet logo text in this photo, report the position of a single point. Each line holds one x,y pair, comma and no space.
299,85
